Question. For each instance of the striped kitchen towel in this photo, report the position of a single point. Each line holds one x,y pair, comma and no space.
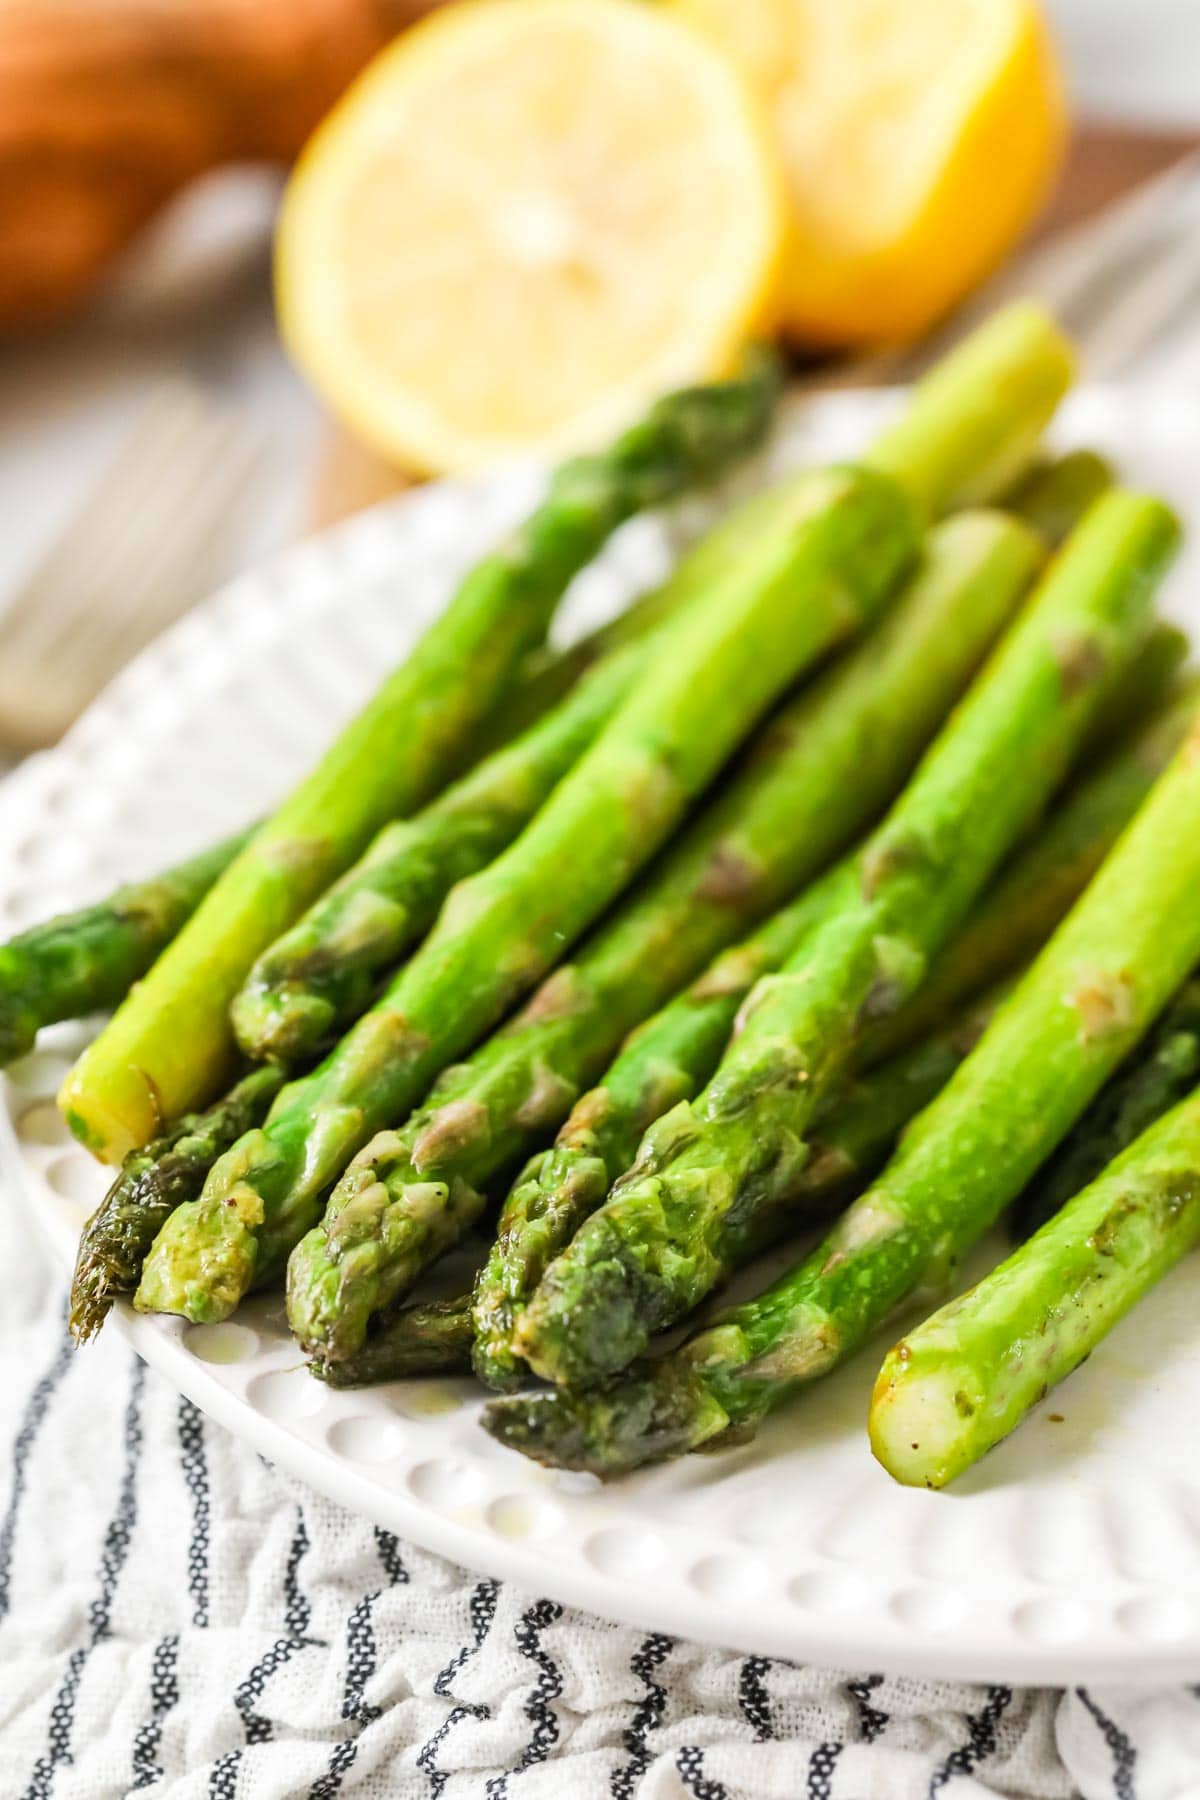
180,1619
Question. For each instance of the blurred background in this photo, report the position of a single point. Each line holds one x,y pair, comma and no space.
503,233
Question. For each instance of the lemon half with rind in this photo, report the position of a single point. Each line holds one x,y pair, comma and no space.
919,138
523,221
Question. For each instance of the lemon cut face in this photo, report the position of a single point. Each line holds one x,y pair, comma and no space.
526,219
918,140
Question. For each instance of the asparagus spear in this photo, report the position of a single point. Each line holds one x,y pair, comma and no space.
170,1047
968,1376
839,538
152,1183
433,1338
1102,979
853,735
316,979
86,961
708,1171
1042,881
1161,1072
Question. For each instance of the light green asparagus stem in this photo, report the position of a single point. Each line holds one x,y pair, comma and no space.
84,962
969,1375
433,1338
709,1173
1042,881
830,547
170,1047
974,423
1163,1070
852,1141
820,770
152,1183
837,541
1105,975
317,978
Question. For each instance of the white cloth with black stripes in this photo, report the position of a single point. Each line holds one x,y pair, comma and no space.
178,1618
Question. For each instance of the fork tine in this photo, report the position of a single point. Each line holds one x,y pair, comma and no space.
152,580
138,552
1064,270
59,585
1145,305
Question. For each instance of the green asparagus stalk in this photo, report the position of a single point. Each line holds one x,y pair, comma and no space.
709,1171
1099,983
851,1142
170,1047
433,1338
84,962
822,768
152,1183
1056,493
838,539
1041,882
1161,1072
964,1379
316,979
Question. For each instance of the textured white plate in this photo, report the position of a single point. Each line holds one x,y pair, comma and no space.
1073,1553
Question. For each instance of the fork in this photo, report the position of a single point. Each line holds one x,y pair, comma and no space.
149,540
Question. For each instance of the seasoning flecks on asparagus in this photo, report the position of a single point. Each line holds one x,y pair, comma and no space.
819,771
959,1383
830,548
152,1183
170,1047
709,1171
86,961
1105,975
1160,1072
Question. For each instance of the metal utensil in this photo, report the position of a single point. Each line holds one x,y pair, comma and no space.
151,538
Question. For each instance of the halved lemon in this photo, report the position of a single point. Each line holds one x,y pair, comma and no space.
919,137
525,219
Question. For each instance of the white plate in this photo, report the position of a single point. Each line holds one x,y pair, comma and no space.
1073,1553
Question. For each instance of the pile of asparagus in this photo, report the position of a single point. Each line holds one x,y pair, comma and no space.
843,881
